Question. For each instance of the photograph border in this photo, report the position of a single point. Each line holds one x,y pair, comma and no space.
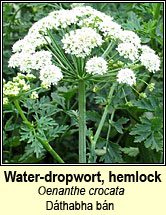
81,164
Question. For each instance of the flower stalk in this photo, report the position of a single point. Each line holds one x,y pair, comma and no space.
82,121
104,116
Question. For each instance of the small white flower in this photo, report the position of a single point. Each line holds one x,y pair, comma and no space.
128,50
130,37
14,60
30,76
5,101
28,61
50,75
21,82
96,65
81,42
18,46
41,59
34,95
147,49
110,28
151,61
21,60
48,22
11,89
26,87
126,76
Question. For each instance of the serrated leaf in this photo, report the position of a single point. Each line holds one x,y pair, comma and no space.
8,124
140,128
142,104
58,99
118,125
149,132
113,153
93,116
100,100
155,141
37,148
142,137
67,93
131,151
156,123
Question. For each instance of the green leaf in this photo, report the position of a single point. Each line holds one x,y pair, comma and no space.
155,141
8,124
113,154
37,148
149,132
143,104
67,93
131,151
143,135
118,125
58,99
93,116
28,156
156,123
133,22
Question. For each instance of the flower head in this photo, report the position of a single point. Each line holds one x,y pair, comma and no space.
147,49
151,61
151,87
34,95
96,65
130,36
128,50
81,42
5,101
126,76
28,61
11,89
50,75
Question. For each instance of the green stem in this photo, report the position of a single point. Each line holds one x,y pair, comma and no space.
45,144
108,50
104,114
110,122
82,121
48,147
21,112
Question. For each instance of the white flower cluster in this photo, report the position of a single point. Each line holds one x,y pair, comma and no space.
110,29
15,87
92,27
50,75
29,61
34,95
146,49
101,21
5,101
11,89
96,65
149,59
130,37
128,50
81,41
126,76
